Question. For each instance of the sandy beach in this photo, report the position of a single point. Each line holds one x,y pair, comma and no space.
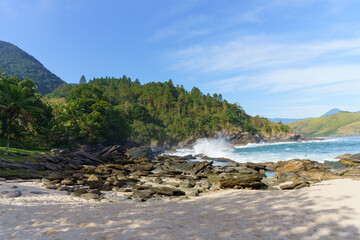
327,210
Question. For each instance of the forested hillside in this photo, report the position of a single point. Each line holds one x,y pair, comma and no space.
16,62
161,113
339,124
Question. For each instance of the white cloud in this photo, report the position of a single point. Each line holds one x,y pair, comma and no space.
336,79
248,53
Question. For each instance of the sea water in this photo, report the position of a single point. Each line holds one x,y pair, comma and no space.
317,150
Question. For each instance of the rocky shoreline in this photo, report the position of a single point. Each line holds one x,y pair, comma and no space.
121,172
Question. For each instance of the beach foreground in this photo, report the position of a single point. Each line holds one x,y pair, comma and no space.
327,210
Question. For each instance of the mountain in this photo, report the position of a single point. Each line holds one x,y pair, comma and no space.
338,124
16,62
331,112
283,120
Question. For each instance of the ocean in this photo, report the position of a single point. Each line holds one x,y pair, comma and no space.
317,150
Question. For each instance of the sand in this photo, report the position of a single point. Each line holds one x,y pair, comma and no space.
327,210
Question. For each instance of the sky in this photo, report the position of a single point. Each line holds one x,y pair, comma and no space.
276,58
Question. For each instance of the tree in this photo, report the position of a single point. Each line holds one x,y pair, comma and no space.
16,103
82,80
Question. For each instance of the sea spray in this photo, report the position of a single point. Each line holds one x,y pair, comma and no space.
221,147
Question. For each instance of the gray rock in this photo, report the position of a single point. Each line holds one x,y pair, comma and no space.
167,191
90,196
113,197
51,187
191,191
143,194
38,192
2,179
10,194
63,188
46,181
158,180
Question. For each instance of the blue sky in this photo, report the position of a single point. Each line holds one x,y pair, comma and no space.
280,58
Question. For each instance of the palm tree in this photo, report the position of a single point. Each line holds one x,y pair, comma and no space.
15,104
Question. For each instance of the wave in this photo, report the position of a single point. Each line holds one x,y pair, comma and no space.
262,144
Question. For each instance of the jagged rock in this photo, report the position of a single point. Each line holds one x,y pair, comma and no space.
88,169
252,181
139,152
353,172
167,191
294,165
89,156
335,166
143,194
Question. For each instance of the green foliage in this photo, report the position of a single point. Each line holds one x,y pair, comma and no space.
339,124
160,112
82,80
16,62
20,105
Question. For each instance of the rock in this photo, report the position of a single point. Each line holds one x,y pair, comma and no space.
285,177
142,167
139,152
2,179
114,197
67,182
143,194
80,191
89,156
10,194
55,176
353,172
293,185
251,181
167,191
158,180
203,184
45,181
88,169
51,187
63,188
95,191
335,166
90,196
38,192
294,166
191,191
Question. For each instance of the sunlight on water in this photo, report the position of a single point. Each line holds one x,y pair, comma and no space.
316,150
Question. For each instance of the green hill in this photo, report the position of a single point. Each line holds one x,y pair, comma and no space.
16,62
164,113
339,124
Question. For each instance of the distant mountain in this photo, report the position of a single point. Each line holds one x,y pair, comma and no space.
284,120
338,124
16,62
331,112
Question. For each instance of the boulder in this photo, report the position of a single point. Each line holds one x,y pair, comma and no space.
335,166
251,182
67,182
169,191
139,152
143,194
294,165
10,194
90,196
